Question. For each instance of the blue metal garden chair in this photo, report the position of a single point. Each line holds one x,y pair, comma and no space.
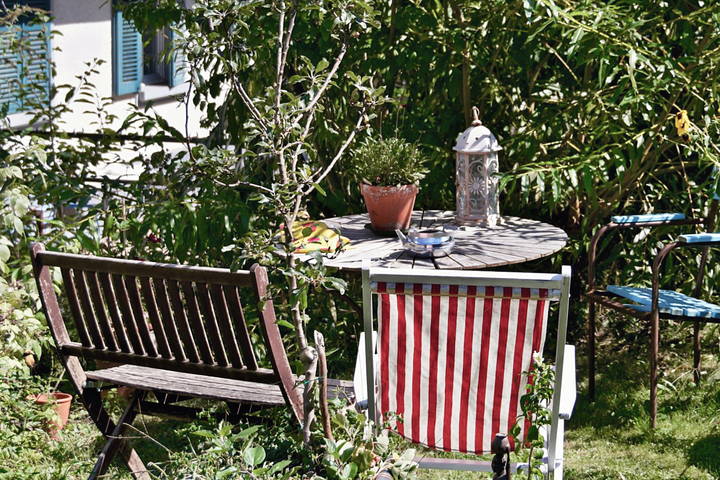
654,304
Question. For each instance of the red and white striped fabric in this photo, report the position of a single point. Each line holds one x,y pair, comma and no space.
451,360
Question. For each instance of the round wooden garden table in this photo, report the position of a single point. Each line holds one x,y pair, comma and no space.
514,240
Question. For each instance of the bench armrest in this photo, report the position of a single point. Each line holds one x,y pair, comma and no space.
648,218
568,390
700,238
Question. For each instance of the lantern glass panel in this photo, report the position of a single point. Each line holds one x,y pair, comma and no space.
478,184
492,179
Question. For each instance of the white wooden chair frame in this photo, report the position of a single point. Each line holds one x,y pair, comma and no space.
564,391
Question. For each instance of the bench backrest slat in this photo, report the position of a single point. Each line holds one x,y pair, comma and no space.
74,303
161,296
134,326
100,309
213,332
227,335
141,318
198,329
88,315
181,321
111,304
232,299
148,299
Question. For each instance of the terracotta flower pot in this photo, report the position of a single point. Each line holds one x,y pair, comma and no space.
389,207
62,410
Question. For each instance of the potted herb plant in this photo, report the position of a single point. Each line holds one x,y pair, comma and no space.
388,171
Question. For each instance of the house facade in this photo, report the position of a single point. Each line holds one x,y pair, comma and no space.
135,69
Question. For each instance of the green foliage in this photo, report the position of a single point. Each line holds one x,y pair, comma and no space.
387,162
227,453
24,440
356,453
535,408
580,93
23,333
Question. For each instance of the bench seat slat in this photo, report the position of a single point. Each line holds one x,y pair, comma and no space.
204,386
261,375
201,386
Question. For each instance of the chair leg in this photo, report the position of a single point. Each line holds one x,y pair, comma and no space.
696,352
592,312
654,348
93,403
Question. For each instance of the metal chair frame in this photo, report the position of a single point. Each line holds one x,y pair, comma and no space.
599,296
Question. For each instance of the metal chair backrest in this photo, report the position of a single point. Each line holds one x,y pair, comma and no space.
454,349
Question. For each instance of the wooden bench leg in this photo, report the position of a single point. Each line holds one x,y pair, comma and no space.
115,443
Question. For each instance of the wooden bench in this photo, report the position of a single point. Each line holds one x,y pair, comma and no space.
176,331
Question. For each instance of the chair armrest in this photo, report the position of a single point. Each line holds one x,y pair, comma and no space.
360,375
568,387
648,218
700,238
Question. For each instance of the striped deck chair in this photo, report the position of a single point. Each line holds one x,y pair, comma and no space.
449,358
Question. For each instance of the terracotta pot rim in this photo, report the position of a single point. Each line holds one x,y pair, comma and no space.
60,397
409,186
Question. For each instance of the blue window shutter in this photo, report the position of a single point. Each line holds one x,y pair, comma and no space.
9,69
176,65
127,56
25,76
35,71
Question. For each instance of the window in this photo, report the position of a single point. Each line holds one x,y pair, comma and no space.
25,60
141,58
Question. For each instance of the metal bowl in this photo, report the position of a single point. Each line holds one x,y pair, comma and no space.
427,243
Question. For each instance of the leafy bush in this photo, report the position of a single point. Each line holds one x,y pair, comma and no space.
387,162
226,453
24,441
23,333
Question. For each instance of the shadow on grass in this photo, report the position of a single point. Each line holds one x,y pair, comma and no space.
705,454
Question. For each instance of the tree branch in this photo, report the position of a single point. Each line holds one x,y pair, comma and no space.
311,107
324,173
249,103
243,184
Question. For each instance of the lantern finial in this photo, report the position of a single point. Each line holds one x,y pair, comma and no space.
476,117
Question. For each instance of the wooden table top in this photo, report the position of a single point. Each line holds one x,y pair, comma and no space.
514,240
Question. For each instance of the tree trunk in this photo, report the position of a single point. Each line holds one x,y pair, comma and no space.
324,407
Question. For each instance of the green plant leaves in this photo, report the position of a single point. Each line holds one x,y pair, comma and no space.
254,456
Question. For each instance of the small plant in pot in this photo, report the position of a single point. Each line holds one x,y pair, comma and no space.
388,171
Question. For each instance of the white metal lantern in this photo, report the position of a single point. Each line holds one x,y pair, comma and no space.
476,175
